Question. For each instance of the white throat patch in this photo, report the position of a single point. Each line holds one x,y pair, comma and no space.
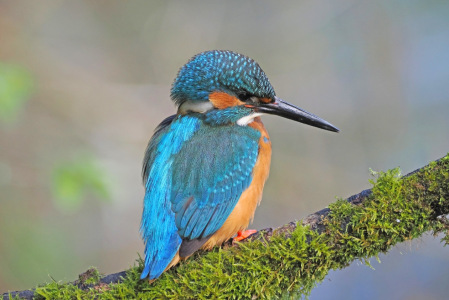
248,119
195,106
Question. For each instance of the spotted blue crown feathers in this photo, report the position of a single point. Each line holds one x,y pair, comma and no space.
219,70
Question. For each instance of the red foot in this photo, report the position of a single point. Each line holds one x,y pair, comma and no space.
243,235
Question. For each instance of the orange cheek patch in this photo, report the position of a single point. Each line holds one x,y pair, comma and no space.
266,100
222,100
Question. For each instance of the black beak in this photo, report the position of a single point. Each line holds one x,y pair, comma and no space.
284,109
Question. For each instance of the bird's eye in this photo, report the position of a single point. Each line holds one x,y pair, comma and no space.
244,96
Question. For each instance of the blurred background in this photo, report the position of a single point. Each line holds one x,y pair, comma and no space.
84,83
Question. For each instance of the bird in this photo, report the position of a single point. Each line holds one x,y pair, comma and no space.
205,167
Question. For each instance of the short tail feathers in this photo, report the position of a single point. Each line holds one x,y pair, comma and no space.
156,271
161,239
145,272
156,264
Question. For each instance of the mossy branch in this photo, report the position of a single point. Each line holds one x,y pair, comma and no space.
292,259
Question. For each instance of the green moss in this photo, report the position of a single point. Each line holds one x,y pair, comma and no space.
91,276
398,209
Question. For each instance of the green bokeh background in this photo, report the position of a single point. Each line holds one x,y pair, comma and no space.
84,83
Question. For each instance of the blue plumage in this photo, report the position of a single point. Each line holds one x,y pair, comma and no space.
158,220
224,71
220,161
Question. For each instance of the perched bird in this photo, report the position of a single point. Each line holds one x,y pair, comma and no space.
205,167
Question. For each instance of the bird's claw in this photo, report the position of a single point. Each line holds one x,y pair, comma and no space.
241,235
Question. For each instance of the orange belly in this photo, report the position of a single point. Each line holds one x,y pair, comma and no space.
243,212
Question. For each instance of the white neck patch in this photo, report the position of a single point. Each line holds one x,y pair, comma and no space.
248,119
195,106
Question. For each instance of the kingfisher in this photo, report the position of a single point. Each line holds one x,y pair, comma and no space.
205,166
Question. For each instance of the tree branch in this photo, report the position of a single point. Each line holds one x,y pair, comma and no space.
292,259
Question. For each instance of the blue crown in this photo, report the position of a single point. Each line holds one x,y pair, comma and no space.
223,71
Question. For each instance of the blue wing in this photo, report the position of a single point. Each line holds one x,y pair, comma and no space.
210,173
158,227
194,175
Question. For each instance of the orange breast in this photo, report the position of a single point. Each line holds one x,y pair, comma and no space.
243,212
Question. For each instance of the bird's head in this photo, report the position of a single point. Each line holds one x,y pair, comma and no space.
231,87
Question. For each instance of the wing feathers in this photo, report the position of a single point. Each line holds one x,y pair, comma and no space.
158,226
219,163
194,175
